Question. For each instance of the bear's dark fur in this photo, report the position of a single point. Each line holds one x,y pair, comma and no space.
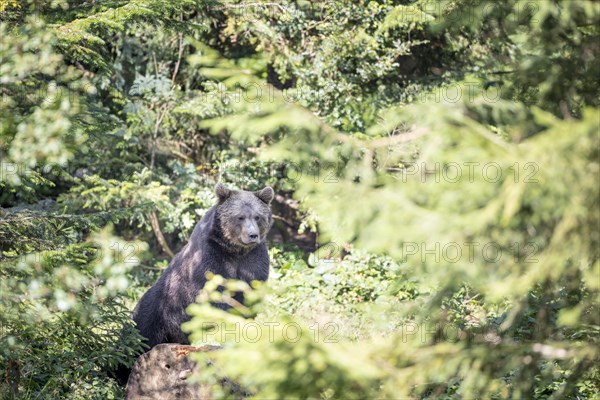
230,240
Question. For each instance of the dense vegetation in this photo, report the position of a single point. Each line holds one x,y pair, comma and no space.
436,167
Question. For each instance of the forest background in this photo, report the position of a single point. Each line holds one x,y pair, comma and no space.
436,173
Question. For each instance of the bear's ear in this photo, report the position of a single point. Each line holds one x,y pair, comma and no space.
266,194
222,192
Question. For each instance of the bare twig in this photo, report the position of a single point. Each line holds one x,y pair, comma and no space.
162,113
179,55
564,109
397,139
155,64
159,235
285,221
245,5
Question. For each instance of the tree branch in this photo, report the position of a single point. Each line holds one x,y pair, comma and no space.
180,54
159,235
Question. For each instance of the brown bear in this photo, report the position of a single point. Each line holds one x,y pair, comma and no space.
230,240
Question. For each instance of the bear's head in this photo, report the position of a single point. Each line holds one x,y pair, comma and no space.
244,217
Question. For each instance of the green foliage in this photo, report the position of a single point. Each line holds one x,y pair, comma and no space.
354,297
541,213
319,367
62,317
41,111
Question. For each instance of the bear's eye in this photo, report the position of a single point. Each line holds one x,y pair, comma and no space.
256,218
240,218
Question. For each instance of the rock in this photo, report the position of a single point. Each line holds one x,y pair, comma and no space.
162,374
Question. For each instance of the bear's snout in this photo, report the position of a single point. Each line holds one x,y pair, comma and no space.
250,233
